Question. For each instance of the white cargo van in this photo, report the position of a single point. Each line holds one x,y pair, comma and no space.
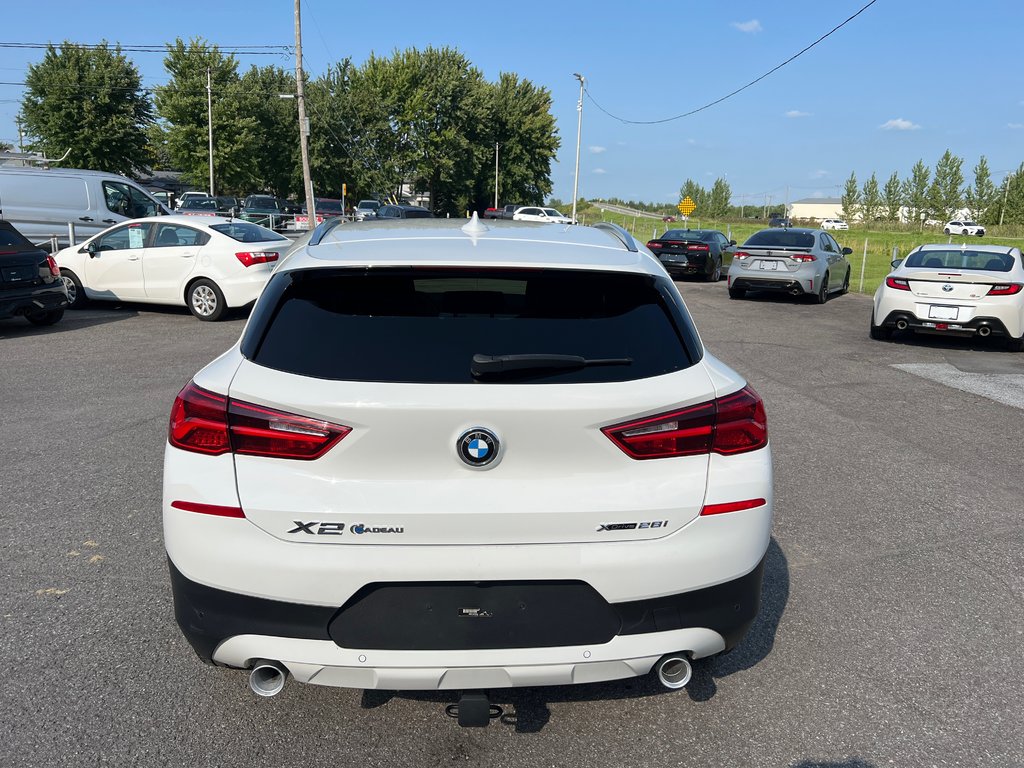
41,202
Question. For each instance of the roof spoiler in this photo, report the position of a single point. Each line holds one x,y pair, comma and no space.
619,234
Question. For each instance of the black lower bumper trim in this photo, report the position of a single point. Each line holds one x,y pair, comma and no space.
464,615
993,325
751,284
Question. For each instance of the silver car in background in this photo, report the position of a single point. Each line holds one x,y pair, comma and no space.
800,262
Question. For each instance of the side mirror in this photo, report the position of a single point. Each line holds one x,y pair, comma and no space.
732,242
91,249
847,251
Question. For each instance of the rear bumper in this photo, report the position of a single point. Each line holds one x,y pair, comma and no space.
780,285
983,326
998,316
685,265
234,630
44,298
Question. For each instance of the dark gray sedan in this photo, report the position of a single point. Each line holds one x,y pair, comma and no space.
800,262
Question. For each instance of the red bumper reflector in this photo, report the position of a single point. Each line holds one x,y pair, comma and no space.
732,506
208,509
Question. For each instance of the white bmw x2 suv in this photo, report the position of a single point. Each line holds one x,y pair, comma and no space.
466,457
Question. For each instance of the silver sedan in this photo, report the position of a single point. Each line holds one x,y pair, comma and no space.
800,262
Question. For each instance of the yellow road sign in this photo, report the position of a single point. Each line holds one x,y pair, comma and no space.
687,206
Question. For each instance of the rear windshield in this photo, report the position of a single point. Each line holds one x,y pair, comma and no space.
425,325
245,232
781,238
11,240
686,234
957,259
333,206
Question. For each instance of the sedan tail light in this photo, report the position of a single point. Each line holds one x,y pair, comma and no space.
803,257
653,244
741,255
897,283
54,269
248,258
698,248
1004,289
205,422
732,424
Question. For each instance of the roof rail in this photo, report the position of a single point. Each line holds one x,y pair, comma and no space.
619,234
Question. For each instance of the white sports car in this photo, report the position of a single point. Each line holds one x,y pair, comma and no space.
955,290
466,456
208,264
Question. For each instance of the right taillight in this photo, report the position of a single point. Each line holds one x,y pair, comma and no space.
1004,289
897,283
741,255
205,422
732,424
248,258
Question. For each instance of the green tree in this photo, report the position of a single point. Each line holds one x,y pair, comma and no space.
337,150
945,195
1009,206
915,192
182,104
89,101
274,129
871,199
718,200
980,197
892,198
520,122
851,198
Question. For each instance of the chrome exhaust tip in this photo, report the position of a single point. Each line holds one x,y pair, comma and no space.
674,671
901,324
984,331
267,677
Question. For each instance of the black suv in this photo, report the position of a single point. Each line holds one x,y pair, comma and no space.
403,212
30,283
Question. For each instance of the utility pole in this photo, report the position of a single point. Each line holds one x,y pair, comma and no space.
579,134
1002,211
495,174
21,135
300,94
209,122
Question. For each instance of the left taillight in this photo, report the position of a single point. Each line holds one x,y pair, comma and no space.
205,422
54,269
897,283
248,258
728,425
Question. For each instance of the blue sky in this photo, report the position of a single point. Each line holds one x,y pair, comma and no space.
905,80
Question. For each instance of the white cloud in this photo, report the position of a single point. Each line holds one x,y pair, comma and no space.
899,124
597,150
797,113
748,26
1015,126
691,142
599,171
818,174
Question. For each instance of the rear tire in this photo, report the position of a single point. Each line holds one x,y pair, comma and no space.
822,295
737,293
946,230
846,284
205,300
45,318
879,333
76,293
716,273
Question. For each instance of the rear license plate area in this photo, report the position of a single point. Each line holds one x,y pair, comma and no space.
943,313
769,265
22,273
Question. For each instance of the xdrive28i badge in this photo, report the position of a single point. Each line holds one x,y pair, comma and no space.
478,447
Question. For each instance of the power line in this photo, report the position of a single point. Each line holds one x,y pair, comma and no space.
738,90
247,50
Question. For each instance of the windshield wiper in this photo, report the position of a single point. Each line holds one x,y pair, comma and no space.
506,365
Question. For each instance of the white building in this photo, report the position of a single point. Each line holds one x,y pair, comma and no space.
816,208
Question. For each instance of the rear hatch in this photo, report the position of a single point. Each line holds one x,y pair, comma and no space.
22,264
782,250
958,274
392,358
938,285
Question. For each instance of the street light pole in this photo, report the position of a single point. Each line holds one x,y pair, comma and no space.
300,95
209,123
579,134
495,174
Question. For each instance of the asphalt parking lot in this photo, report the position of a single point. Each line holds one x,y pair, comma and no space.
890,631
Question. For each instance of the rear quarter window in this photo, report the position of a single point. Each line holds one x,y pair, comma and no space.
425,325
245,232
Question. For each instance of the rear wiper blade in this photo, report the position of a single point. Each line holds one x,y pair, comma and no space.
497,365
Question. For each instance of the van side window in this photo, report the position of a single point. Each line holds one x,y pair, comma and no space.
126,200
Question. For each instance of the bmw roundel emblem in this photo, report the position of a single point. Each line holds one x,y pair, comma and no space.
478,447
947,287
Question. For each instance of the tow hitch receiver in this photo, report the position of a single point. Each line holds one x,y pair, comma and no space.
474,710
